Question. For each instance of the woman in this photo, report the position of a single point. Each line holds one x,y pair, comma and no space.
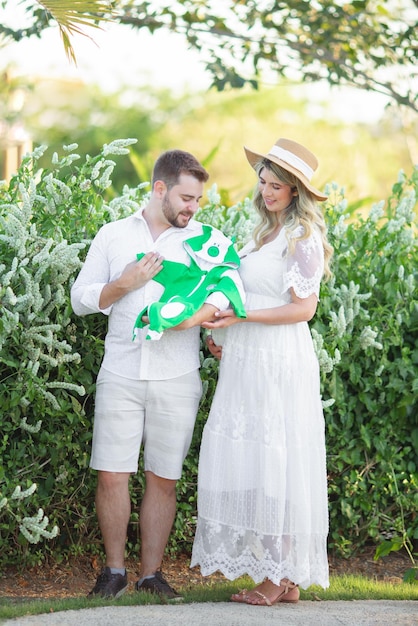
262,494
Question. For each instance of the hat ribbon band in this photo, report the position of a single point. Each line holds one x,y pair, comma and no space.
293,160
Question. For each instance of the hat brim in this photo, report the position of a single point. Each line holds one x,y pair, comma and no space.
254,158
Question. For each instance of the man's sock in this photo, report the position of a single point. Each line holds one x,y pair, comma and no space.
141,580
118,570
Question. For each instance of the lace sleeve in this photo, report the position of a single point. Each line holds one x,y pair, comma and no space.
305,267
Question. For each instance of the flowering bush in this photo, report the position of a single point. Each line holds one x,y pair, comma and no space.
46,220
364,332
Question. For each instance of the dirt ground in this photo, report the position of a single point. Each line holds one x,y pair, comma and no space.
77,577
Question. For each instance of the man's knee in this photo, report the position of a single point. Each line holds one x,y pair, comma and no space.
165,486
107,481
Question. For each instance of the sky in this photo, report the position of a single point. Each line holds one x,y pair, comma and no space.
121,57
117,56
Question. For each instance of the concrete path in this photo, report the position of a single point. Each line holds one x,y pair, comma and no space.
305,613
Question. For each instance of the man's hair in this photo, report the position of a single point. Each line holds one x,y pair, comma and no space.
171,164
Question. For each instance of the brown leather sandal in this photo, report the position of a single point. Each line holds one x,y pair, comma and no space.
289,595
241,596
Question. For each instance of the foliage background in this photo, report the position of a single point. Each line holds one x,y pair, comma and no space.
371,45
365,329
365,155
365,332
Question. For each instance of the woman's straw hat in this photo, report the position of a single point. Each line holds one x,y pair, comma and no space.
294,158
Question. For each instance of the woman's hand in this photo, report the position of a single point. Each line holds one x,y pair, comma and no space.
223,320
214,349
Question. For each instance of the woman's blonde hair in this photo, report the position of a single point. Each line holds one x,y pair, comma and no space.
302,211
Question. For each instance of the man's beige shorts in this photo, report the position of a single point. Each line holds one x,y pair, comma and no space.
157,414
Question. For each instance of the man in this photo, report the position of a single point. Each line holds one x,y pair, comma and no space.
147,392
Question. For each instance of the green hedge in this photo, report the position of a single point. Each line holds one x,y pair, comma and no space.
365,334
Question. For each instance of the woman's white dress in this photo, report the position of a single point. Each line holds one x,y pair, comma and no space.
262,486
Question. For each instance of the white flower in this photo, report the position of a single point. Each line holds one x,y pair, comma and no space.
406,208
118,146
325,361
340,227
96,169
104,181
401,176
10,297
85,184
394,226
410,284
368,339
338,321
30,429
33,528
377,211
69,386
213,195
18,494
38,152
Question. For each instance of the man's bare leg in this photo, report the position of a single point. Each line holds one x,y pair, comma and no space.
113,509
156,519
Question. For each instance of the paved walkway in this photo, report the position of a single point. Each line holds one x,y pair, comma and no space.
305,613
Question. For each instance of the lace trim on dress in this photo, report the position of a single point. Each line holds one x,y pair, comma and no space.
238,551
303,286
305,266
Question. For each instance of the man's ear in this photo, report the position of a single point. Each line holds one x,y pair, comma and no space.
160,188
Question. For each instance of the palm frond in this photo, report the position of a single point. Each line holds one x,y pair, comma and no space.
72,16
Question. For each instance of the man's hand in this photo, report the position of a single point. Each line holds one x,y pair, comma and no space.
135,275
138,273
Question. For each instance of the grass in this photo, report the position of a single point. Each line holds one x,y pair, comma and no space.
341,588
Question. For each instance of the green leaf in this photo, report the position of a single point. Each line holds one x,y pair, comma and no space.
411,575
388,546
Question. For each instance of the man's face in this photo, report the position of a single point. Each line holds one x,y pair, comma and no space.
182,201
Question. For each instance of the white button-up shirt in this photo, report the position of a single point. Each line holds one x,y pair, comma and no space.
115,245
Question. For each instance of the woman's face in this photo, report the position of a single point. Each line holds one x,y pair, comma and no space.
276,195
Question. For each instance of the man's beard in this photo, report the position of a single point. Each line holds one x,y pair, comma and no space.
170,215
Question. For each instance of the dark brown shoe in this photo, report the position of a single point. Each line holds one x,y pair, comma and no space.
159,586
109,585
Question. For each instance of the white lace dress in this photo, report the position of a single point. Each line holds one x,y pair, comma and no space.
262,487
